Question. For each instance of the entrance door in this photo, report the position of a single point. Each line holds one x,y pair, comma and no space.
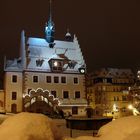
14,108
74,110
40,107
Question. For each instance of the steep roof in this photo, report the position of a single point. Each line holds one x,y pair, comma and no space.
37,50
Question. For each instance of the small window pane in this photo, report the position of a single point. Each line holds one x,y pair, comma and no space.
29,90
14,78
53,92
75,80
63,79
35,79
77,94
74,110
48,79
14,95
56,79
65,94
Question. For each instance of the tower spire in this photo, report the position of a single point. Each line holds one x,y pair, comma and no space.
50,10
49,28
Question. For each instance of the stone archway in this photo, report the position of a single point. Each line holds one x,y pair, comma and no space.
40,101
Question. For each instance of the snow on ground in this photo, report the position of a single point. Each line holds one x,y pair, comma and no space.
126,128
31,126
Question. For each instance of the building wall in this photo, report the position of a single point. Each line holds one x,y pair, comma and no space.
2,99
59,87
10,87
25,83
110,89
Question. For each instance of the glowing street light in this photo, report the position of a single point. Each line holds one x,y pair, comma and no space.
135,111
130,107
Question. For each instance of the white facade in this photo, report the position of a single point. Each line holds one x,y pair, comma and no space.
37,63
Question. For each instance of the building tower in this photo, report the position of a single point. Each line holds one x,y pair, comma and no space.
49,28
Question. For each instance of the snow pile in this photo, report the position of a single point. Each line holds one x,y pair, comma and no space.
29,126
126,128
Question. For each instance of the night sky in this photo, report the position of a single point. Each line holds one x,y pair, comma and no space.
108,30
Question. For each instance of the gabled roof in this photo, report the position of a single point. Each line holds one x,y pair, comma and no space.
37,50
114,72
68,51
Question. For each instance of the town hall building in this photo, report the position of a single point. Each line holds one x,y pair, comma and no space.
48,72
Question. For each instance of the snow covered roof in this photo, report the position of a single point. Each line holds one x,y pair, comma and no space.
13,65
36,55
63,50
114,73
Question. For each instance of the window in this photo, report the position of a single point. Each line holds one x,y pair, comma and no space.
29,90
39,62
14,95
56,79
124,98
77,94
14,78
104,80
35,79
48,79
56,65
75,80
63,79
53,92
74,110
65,94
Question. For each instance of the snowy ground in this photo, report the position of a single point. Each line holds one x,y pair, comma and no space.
4,116
29,126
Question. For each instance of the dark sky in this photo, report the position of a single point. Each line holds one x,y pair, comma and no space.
108,30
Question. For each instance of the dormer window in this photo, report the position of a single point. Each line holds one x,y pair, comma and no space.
56,65
39,62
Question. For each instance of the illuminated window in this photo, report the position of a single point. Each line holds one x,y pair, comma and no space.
63,79
14,95
48,79
75,80
56,79
77,94
65,94
35,79
14,78
56,65
53,92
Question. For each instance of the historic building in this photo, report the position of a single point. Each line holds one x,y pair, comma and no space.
108,91
134,93
46,67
